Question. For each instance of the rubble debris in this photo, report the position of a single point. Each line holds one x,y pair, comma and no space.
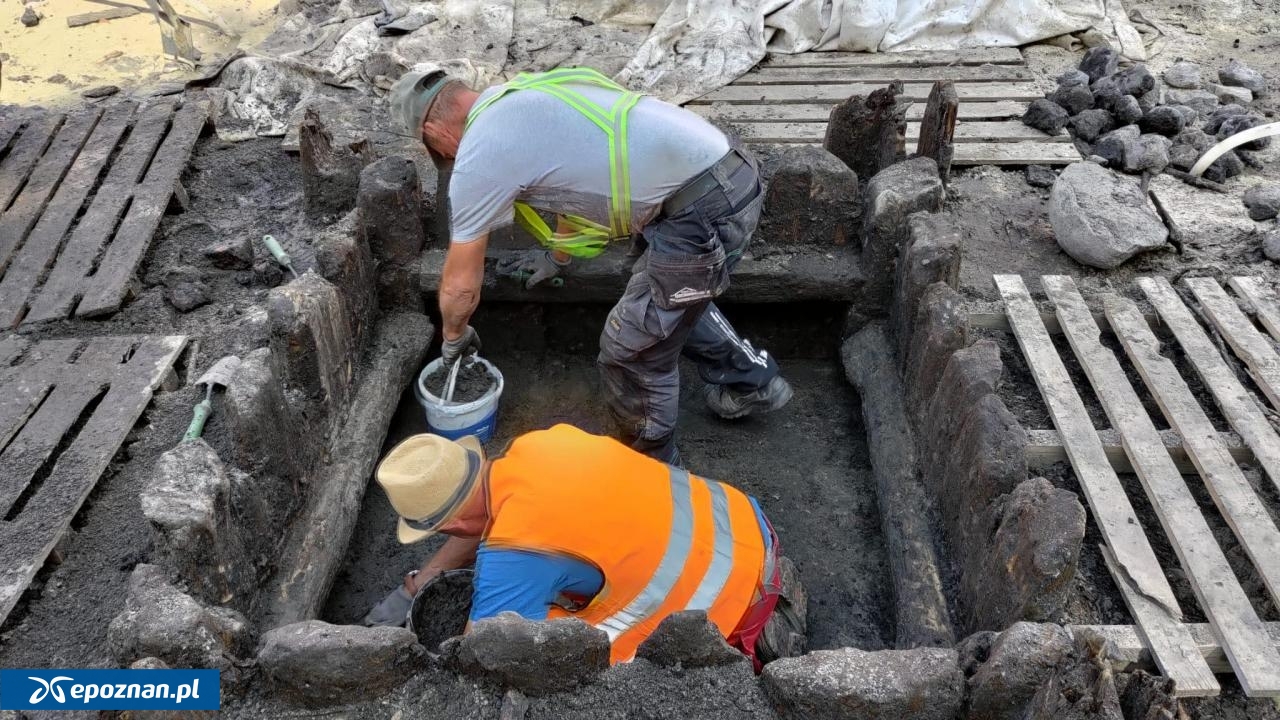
30,18
1080,690
1271,244
1203,101
187,296
1165,120
918,684
1075,99
1224,168
1072,78
1150,697
1183,75
1125,109
1227,94
1046,116
536,658
1262,201
1101,219
1236,124
230,253
160,621
100,91
869,133
688,639
1099,62
316,663
1134,80
1216,118
1148,153
1113,145
1092,124
1020,660
1237,74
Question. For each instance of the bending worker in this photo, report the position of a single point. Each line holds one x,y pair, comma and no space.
569,524
611,163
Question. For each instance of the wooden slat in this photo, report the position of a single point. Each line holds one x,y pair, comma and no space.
99,15
26,541
1238,405
774,75
1228,610
820,112
969,56
1263,299
1241,335
66,281
966,132
42,246
11,348
1160,618
108,287
8,131
1227,485
1044,448
25,153
1016,153
770,94
1129,650
26,386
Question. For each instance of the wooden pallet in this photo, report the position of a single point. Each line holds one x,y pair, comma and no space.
1253,654
65,407
50,174
789,98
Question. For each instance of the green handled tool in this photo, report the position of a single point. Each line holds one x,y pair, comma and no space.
219,374
277,252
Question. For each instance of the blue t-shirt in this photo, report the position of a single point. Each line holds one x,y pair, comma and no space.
529,583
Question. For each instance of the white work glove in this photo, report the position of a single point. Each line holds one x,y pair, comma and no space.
536,265
468,341
393,610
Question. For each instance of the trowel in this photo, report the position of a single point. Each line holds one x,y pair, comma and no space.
220,374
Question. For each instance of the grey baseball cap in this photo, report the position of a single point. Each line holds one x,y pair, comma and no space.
411,97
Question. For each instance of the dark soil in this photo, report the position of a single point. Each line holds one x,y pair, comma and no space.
441,608
474,382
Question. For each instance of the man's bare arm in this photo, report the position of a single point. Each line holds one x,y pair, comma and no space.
457,552
460,285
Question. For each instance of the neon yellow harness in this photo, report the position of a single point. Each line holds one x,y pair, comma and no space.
586,238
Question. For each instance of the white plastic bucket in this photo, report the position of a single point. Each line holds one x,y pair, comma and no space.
455,420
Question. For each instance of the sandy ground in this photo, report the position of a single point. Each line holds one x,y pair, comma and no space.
50,64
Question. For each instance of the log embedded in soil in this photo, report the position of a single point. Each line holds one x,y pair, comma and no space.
922,617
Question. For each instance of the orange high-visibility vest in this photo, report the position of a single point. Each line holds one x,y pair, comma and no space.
664,540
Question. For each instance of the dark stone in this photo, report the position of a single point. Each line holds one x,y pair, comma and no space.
1184,75
1228,95
918,684
1224,168
869,133
1099,62
1148,101
971,374
1126,110
1147,154
316,663
1112,145
1203,101
1239,123
1164,120
688,639
1237,74
230,253
30,18
930,255
1041,176
974,650
1046,116
1188,113
1184,157
941,328
1195,138
891,197
1215,119
1262,201
1073,98
100,92
1134,80
811,198
1092,124
1271,244
267,436
1073,78
1102,219
536,658
1020,660
312,343
187,296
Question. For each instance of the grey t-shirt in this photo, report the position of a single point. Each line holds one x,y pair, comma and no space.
532,147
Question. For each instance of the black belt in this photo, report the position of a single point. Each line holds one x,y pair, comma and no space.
703,183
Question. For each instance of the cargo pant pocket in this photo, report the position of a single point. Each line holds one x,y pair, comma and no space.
681,280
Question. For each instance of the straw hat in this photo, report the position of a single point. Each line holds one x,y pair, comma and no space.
427,478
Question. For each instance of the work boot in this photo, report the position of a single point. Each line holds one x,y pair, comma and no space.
731,404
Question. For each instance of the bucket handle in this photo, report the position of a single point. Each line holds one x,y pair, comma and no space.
453,380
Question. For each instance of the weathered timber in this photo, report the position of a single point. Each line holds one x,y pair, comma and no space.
1044,448
938,127
773,75
90,18
913,58
24,154
1263,299
1235,327
966,131
868,133
8,131
330,174
819,112
915,92
1130,652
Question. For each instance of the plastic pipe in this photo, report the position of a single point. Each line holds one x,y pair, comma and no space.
1231,143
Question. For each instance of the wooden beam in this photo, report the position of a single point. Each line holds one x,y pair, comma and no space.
821,112
1016,153
24,154
771,94
1160,619
1044,448
100,15
1227,485
1263,299
1131,653
1236,623
968,56
1252,347
775,75
972,131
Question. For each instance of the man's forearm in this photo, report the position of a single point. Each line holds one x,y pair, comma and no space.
460,284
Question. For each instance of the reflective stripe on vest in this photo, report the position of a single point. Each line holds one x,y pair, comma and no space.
586,238
663,539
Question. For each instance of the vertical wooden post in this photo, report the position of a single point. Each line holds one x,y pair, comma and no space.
938,128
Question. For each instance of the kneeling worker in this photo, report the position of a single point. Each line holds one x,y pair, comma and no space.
569,524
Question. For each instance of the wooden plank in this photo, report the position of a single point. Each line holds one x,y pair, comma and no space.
1044,448
1227,485
1263,299
109,285
966,132
25,386
775,75
1131,653
1136,564
90,18
1227,608
1016,153
770,94
8,131
26,152
26,541
820,112
42,246
66,281
967,56
1169,640
1235,327
11,348
937,133
1239,406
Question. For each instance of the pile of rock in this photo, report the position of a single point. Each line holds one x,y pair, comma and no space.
1128,120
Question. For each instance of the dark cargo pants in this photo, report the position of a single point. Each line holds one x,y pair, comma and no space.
667,310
